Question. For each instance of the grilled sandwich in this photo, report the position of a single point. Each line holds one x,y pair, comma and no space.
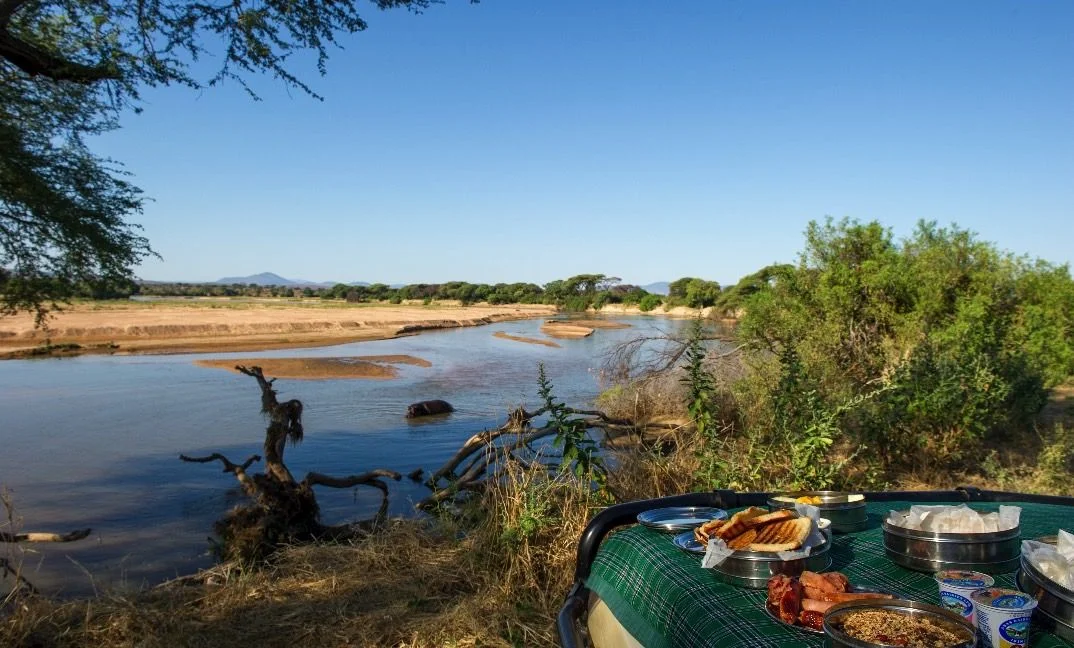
736,526
784,535
705,531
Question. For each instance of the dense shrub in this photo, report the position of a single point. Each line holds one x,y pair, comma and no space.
926,347
649,302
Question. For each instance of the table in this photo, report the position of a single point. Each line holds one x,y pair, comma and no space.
662,596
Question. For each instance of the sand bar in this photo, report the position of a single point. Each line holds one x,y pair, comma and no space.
560,329
202,326
528,340
320,368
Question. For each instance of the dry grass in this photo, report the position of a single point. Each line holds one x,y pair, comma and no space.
496,580
412,584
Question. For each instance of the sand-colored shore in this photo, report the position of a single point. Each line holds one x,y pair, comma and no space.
369,367
218,325
528,340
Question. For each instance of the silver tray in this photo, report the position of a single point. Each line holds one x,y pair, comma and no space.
940,616
775,615
752,569
675,519
925,551
846,516
1055,603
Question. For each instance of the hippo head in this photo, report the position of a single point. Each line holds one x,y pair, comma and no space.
412,411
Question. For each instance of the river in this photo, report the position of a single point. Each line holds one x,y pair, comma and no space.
93,441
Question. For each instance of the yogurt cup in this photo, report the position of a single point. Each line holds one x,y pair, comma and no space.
956,586
1003,616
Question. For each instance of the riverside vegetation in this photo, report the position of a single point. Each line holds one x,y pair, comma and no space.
869,363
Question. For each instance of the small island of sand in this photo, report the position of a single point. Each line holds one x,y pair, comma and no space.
518,338
367,367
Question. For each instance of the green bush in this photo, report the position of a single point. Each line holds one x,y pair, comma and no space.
649,302
920,350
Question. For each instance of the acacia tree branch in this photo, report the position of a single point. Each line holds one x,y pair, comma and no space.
37,62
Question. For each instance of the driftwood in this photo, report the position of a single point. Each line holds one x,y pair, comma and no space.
284,510
481,458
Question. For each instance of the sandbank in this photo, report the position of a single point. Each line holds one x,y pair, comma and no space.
561,329
527,340
205,325
322,368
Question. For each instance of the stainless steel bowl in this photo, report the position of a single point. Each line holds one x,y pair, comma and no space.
846,516
837,614
752,569
1055,603
924,551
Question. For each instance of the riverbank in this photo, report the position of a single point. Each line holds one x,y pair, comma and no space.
207,325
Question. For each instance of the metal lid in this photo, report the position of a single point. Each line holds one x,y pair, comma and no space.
675,519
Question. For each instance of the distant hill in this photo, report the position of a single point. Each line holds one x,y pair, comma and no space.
273,279
657,288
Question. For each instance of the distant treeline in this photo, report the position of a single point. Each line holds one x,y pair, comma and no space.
575,293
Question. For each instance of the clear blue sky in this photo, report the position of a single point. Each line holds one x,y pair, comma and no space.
526,140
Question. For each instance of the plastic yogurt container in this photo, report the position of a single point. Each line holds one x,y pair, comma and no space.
956,586
1003,616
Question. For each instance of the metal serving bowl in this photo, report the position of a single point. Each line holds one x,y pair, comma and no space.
837,614
925,551
1055,603
752,569
846,515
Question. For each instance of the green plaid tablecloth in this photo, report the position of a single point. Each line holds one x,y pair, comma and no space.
663,597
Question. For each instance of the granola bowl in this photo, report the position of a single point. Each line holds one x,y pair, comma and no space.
882,623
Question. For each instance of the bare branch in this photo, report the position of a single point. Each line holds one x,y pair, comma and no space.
248,484
365,479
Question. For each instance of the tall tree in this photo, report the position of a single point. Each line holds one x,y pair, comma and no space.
69,69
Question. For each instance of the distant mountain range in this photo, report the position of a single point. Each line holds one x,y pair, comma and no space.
657,288
273,279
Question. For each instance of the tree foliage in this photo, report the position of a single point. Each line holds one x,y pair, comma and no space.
951,340
68,70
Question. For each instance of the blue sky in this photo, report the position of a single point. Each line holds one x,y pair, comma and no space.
526,140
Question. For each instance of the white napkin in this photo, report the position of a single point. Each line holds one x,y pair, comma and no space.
956,519
1055,562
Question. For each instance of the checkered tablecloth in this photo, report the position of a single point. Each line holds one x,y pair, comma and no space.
663,597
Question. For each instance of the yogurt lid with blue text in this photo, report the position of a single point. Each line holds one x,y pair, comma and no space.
1003,599
964,579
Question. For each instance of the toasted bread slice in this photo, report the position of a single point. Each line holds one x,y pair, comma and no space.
742,541
775,516
705,531
782,536
737,524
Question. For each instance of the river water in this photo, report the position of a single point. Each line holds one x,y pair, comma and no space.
94,441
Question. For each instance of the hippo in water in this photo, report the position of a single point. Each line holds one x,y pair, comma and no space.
428,408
